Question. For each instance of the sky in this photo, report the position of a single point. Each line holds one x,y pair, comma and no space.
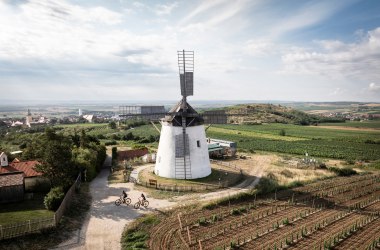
107,50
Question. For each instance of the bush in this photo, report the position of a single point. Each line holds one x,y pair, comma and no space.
343,171
202,221
108,143
287,173
54,198
267,185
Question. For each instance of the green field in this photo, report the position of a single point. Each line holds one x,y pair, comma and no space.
318,142
367,124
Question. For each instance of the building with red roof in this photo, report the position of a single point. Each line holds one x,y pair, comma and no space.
27,167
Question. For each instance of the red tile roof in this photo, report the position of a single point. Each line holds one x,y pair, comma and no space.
130,154
24,166
11,179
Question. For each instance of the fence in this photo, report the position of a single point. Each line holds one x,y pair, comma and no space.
67,200
180,188
35,225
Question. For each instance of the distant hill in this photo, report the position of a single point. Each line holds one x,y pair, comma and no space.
269,113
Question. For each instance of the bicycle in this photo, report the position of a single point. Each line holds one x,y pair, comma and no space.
144,203
121,200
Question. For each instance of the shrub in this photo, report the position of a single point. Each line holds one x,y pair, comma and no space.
287,173
282,132
214,218
235,211
54,198
202,221
343,171
112,142
267,185
322,166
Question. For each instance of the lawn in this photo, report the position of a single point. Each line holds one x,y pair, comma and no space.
23,211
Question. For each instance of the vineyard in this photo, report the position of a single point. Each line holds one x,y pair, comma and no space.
338,213
318,142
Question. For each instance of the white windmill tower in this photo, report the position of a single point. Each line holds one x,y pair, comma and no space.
182,150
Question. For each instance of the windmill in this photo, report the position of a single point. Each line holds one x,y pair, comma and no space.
182,150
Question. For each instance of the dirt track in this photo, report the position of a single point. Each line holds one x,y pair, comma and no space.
105,222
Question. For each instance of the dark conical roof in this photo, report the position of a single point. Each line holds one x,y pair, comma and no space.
183,109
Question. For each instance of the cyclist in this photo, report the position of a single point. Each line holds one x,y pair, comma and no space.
143,197
124,194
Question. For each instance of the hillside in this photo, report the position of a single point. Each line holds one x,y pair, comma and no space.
269,113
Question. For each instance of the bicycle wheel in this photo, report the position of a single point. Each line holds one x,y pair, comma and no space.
137,205
128,201
146,204
118,202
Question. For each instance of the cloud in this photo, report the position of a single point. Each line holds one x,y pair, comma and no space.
163,9
59,36
210,14
338,59
373,87
260,47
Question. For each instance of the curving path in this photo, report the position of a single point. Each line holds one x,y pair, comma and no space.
105,222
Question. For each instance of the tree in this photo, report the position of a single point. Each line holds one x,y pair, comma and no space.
112,125
54,152
282,132
86,159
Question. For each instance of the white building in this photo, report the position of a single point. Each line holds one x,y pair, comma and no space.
89,118
3,160
28,119
172,161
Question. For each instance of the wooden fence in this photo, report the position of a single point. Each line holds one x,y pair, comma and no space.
181,188
33,226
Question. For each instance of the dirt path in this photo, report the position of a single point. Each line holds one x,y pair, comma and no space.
105,222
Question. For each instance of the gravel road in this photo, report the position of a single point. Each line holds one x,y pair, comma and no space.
105,221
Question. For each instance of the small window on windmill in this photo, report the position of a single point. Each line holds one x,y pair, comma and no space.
159,159
198,144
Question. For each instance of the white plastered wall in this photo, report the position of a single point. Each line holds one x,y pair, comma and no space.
165,160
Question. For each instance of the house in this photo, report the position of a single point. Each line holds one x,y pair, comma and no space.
149,158
130,154
26,167
89,118
11,187
16,123
229,147
3,159
33,180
